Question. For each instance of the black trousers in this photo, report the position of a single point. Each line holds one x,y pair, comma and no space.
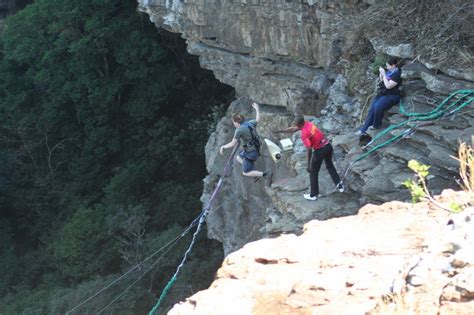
324,153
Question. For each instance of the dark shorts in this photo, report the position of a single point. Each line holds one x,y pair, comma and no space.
248,160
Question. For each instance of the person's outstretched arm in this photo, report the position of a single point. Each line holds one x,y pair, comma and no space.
228,145
257,111
287,130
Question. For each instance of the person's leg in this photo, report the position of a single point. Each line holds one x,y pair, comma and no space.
386,102
369,120
253,174
248,165
316,162
330,165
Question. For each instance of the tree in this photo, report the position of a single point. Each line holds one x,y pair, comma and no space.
84,247
99,111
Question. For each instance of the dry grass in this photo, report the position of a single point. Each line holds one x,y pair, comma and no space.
466,167
441,30
391,304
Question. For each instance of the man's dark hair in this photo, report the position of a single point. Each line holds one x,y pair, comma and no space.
238,118
298,121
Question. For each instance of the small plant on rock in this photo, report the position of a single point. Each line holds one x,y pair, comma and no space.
379,61
419,189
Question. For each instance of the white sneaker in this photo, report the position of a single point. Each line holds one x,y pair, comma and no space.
359,133
371,128
309,197
340,187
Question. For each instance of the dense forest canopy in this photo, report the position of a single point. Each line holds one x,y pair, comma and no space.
104,119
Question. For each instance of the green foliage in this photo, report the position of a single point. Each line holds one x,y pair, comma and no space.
379,61
137,300
356,75
27,302
83,247
417,188
103,125
455,207
8,260
421,170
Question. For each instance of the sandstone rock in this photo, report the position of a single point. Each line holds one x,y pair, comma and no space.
465,308
403,50
276,52
443,84
464,283
339,101
453,70
463,257
413,70
352,265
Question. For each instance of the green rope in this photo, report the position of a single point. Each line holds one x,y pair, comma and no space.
364,155
437,108
163,294
434,114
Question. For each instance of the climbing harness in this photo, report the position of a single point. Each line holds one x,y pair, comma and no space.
255,141
202,217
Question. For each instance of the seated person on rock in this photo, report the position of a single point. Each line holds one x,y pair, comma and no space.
387,96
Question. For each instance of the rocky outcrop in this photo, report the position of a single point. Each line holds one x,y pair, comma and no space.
396,258
274,52
290,57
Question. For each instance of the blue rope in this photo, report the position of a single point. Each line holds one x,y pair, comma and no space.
136,280
171,243
173,279
201,218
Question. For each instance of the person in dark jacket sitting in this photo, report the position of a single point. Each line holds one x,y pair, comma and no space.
388,95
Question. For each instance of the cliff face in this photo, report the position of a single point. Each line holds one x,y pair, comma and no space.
275,52
295,57
392,259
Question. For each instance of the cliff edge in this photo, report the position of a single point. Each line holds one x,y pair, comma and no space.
396,258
